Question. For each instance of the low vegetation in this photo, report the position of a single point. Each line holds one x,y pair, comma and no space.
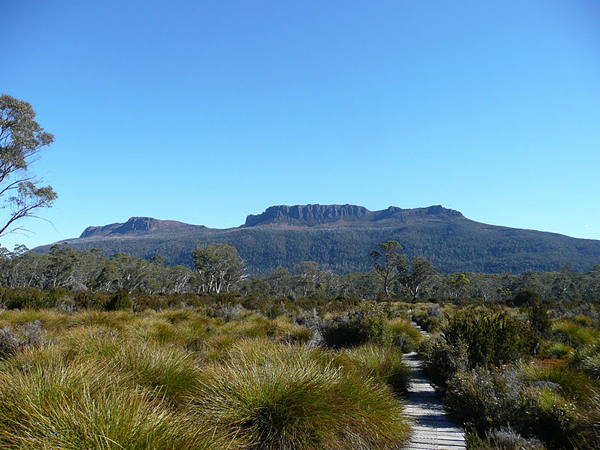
192,379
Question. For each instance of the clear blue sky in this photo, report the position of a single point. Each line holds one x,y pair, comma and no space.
206,111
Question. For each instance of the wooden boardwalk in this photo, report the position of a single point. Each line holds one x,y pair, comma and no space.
432,429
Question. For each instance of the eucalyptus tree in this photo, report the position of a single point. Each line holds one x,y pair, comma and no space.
218,268
388,263
21,139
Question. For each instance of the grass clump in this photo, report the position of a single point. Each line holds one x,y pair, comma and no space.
69,405
404,335
278,396
384,363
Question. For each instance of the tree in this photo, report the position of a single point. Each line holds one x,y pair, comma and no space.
21,139
388,263
218,266
415,281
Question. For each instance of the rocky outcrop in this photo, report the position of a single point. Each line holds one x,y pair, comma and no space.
313,215
139,226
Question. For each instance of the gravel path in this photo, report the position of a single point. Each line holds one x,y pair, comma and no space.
432,429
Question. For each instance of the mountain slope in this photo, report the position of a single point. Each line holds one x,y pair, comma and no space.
340,238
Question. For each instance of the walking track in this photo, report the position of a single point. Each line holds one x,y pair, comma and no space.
432,429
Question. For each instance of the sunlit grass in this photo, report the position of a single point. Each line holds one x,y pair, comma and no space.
383,363
275,396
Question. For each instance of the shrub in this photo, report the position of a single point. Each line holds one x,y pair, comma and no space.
491,338
535,406
27,335
556,350
274,396
483,399
120,301
508,439
430,320
442,360
356,328
591,364
570,383
550,416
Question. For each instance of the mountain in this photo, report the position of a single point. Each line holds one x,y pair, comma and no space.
340,238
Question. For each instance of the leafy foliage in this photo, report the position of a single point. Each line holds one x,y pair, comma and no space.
21,139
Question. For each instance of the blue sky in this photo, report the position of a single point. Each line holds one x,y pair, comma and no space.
205,112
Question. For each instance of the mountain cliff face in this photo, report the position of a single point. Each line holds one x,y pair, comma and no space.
341,237
345,215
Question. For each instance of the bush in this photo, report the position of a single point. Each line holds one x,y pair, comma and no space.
273,396
442,360
484,399
27,335
430,320
491,338
570,383
576,336
357,328
508,439
551,417
524,398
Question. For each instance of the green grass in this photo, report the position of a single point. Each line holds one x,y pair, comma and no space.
182,380
404,335
383,363
60,404
275,396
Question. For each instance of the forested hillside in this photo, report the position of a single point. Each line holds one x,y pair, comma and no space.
340,237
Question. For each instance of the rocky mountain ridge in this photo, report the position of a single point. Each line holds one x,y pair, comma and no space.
340,238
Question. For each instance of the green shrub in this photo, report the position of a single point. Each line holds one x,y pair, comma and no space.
505,438
556,350
544,402
491,338
570,383
551,417
356,328
442,360
483,398
591,364
573,334
273,396
430,320
120,301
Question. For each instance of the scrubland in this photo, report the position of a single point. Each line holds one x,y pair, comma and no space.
201,378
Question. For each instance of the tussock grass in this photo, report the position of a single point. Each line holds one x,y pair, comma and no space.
168,370
277,396
573,334
404,335
182,380
73,405
571,383
383,363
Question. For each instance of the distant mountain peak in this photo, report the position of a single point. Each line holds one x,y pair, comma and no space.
314,215
137,226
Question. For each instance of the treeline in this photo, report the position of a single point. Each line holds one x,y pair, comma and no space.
219,269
